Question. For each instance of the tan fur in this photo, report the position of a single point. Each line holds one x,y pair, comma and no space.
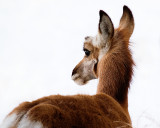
109,107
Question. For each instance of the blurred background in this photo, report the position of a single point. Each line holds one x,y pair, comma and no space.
41,42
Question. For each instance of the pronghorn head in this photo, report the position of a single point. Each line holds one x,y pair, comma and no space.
95,48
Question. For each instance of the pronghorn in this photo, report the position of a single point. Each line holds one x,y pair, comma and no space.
108,58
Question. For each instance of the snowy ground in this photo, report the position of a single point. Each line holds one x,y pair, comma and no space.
41,42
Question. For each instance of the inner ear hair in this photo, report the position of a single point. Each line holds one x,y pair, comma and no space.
106,28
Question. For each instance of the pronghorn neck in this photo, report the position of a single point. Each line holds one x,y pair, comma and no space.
115,70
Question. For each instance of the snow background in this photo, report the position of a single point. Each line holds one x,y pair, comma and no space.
41,42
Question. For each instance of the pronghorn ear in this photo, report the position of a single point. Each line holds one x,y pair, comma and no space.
127,21
106,28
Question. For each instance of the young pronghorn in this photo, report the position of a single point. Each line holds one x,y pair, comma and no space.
108,58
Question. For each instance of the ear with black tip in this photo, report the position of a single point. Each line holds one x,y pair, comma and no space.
106,28
127,21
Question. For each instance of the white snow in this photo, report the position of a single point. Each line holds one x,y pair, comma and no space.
41,41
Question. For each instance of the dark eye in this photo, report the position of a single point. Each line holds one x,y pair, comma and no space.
87,52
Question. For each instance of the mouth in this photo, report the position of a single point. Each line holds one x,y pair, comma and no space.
78,80
75,76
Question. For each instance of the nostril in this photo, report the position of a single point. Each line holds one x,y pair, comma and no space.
73,72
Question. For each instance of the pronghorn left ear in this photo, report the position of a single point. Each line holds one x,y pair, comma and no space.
106,28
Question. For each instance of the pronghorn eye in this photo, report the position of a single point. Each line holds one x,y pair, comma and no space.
87,52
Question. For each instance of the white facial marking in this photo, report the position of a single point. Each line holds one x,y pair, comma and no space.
96,41
99,42
102,52
79,81
9,121
88,66
26,123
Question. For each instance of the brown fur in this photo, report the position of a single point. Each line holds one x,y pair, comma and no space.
109,107
115,77
79,111
115,70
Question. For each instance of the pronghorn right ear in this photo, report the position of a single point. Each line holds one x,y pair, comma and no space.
127,21
106,28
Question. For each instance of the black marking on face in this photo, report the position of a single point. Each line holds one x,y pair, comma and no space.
87,37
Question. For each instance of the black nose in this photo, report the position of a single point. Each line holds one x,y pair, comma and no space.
74,71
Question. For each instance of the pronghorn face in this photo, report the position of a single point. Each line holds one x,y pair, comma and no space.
94,48
87,67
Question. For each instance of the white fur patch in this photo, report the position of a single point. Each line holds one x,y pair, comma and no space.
96,41
88,67
87,71
77,80
102,52
26,123
9,121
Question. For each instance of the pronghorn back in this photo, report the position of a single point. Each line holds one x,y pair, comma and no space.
79,111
